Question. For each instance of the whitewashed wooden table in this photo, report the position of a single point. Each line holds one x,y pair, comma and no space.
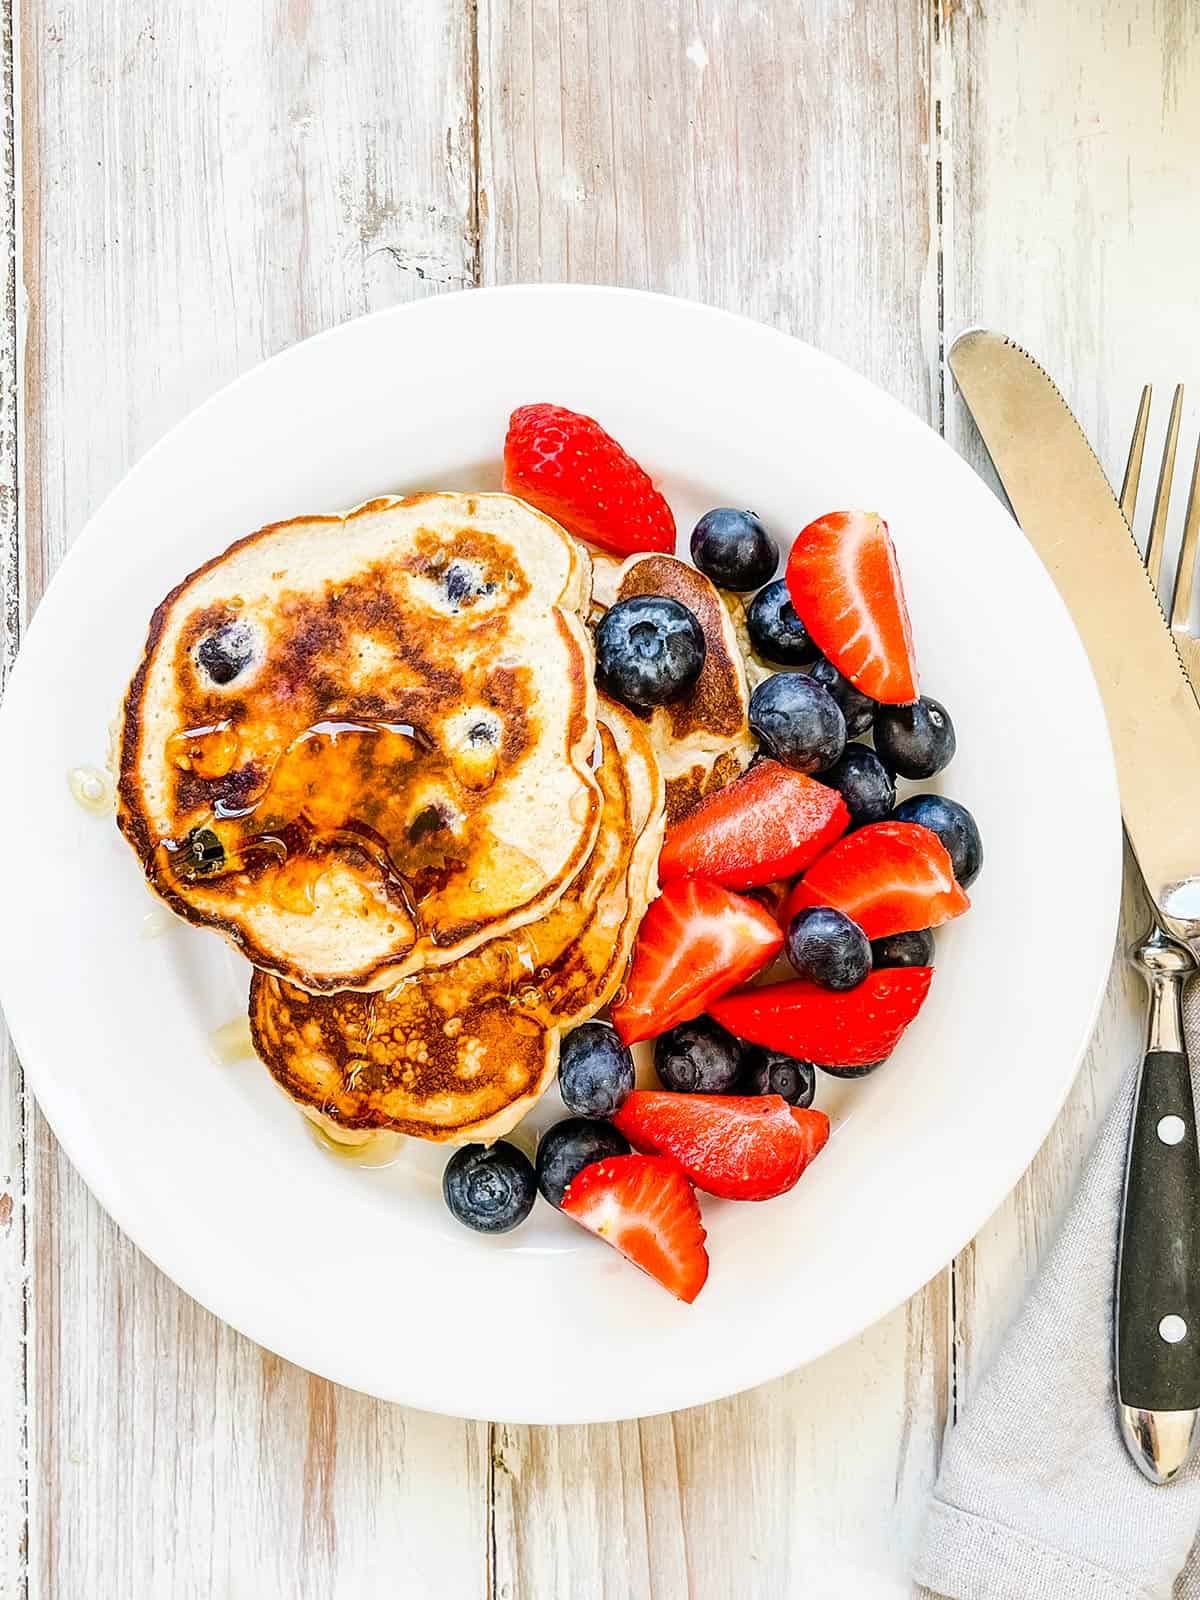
187,189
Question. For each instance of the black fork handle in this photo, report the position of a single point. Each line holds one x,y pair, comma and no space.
1158,1275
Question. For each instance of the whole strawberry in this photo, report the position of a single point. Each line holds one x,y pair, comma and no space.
566,465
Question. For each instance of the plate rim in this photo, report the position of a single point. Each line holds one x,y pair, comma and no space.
929,1261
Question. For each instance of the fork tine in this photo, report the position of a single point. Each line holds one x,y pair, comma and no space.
1162,495
1185,576
1133,467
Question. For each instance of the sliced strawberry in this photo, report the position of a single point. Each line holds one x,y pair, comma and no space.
645,1208
567,466
844,583
849,1029
741,1147
768,824
696,941
889,877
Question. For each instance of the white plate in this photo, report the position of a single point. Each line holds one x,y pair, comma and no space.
361,1275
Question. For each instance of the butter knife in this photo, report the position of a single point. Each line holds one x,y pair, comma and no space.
1063,501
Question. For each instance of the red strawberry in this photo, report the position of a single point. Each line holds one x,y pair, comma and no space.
567,466
769,824
854,1028
645,1208
697,940
741,1147
889,877
845,585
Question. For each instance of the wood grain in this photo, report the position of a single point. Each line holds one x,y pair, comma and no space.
1069,224
721,151
811,1485
14,1106
686,148
202,187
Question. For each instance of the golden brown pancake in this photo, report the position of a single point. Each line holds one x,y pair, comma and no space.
703,740
463,1051
360,746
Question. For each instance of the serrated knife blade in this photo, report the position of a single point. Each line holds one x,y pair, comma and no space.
1063,501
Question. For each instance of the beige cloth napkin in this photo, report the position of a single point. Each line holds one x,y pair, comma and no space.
1037,1498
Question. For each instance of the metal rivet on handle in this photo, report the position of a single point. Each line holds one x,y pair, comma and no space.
1172,1329
1171,1129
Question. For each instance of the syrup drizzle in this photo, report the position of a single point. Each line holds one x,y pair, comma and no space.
341,785
232,1041
209,752
91,789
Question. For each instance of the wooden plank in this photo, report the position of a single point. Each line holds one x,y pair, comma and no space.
199,191
14,1109
731,153
1070,225
13,1313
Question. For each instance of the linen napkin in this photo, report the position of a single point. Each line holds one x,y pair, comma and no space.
1037,1498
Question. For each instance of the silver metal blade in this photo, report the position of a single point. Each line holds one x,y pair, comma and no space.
1063,501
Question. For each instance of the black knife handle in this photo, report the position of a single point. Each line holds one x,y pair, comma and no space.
1158,1280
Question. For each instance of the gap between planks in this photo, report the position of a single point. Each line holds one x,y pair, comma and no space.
475,269
14,1104
940,192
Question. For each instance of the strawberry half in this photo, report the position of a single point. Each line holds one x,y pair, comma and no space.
889,877
566,465
852,1029
741,1147
770,823
645,1208
844,583
696,941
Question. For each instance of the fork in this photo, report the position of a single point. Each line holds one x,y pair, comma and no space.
1178,605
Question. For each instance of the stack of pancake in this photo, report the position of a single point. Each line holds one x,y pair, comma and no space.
369,751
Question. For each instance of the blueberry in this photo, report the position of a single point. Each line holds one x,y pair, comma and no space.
954,826
459,584
649,650
595,1071
827,948
200,852
864,783
857,708
854,1072
734,549
915,741
489,1187
798,722
227,652
771,1072
776,632
566,1148
904,949
699,1058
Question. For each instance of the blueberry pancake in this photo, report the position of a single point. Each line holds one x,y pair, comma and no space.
360,746
703,739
